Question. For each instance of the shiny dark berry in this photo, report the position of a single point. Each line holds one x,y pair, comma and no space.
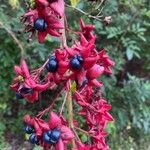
33,139
55,135
52,65
26,90
29,129
79,57
40,24
49,133
19,96
46,138
75,63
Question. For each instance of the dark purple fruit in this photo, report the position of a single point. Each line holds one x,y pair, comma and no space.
26,90
75,63
40,24
19,96
55,135
46,138
28,129
52,65
33,139
79,57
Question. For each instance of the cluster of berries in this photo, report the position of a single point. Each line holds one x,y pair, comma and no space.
55,133
81,63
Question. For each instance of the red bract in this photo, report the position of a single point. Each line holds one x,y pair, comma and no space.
25,84
56,5
55,122
86,30
95,110
49,23
105,61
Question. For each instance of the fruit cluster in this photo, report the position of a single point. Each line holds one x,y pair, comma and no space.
55,133
81,64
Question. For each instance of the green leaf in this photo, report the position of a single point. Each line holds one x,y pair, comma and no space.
74,2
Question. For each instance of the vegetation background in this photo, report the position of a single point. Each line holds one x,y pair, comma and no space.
127,40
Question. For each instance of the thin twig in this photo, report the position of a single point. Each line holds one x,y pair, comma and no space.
10,32
83,131
50,107
65,98
85,13
70,112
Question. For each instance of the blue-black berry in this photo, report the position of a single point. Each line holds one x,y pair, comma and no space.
46,138
33,139
55,135
40,24
26,90
29,129
52,136
19,96
75,63
52,65
79,57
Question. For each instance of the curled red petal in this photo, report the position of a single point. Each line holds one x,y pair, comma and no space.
87,50
96,83
63,67
60,145
58,6
43,2
95,72
30,82
81,76
54,22
66,133
15,86
71,51
42,36
37,127
54,120
53,32
25,69
89,62
82,24
27,119
60,55
17,70
41,87
43,125
108,117
83,40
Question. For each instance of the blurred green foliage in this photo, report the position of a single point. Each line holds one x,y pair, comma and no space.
127,40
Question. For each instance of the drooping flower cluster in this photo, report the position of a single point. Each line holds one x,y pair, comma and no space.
25,85
95,110
44,19
54,133
81,64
